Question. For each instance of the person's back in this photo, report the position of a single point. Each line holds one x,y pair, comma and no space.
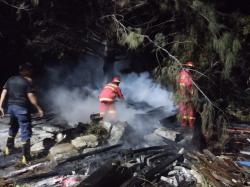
18,87
107,98
109,93
19,93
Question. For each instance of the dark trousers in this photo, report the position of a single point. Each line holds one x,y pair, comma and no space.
20,118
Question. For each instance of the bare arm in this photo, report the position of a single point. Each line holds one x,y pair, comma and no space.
33,99
3,96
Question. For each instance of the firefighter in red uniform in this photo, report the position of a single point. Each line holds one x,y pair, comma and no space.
107,98
185,91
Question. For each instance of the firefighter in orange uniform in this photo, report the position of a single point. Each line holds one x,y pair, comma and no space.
107,98
185,91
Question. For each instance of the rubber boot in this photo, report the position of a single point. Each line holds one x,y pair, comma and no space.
26,152
9,146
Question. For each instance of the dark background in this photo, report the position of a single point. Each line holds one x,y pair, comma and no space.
15,35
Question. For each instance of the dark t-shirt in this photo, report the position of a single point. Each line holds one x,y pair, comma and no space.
17,88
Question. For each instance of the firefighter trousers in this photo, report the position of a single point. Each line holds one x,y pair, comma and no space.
187,113
107,110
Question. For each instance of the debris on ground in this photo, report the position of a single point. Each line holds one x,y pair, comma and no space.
219,170
94,155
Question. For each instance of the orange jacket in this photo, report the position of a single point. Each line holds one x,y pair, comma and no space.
110,92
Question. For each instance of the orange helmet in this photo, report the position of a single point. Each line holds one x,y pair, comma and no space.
116,79
189,64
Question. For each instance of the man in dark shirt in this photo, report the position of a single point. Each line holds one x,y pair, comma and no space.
20,93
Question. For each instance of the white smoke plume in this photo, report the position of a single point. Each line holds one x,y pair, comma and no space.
141,88
75,96
72,105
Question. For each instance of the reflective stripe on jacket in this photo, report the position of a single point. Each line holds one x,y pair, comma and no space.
185,80
110,92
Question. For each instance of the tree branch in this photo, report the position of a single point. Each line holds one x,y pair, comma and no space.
126,30
20,7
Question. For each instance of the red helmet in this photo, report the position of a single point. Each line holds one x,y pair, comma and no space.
189,64
116,79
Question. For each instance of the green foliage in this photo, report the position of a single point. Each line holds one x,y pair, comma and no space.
35,3
214,124
229,62
172,72
240,113
160,40
236,46
226,41
163,6
177,5
221,130
227,47
177,46
207,117
222,44
168,73
245,22
133,39
208,13
214,42
166,5
197,5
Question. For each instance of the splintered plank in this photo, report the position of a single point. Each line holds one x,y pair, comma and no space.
219,172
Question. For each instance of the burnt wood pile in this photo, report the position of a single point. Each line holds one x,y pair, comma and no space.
219,171
142,167
111,163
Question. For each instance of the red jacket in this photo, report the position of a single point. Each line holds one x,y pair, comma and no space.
110,92
185,80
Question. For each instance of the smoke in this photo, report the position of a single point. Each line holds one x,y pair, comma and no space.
73,91
141,88
74,94
142,94
147,102
73,105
